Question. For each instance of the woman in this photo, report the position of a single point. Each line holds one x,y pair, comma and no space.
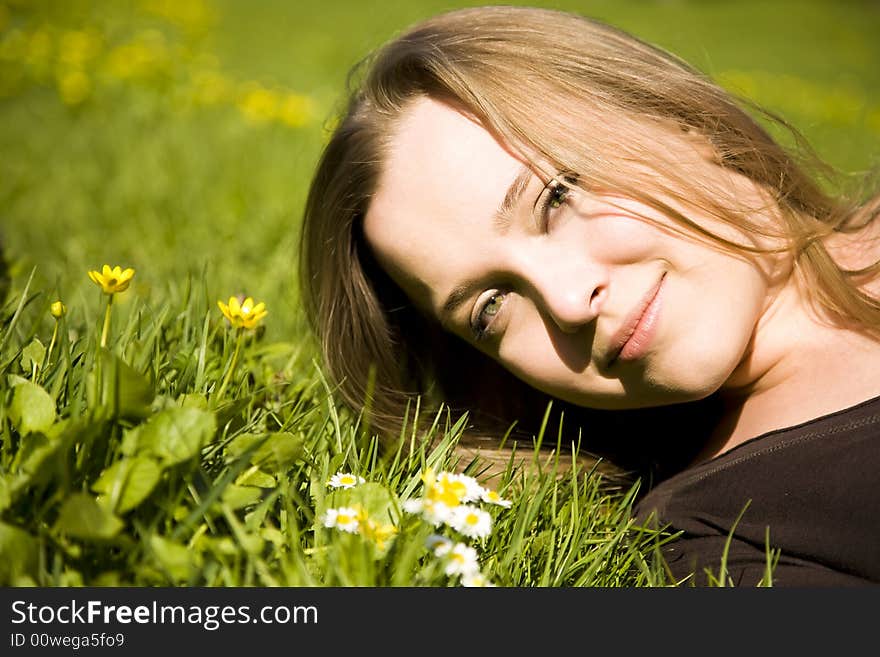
523,205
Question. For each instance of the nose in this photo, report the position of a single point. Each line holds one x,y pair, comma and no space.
572,295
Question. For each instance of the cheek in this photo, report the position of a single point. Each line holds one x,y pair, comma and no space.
710,324
561,369
527,351
611,234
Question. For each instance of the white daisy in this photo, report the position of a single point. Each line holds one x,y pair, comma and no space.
344,518
437,513
471,521
345,480
463,487
439,544
492,497
413,505
477,580
461,560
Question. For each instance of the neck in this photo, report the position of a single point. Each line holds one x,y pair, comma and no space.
783,378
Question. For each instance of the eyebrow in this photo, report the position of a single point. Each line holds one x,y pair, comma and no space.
504,214
501,221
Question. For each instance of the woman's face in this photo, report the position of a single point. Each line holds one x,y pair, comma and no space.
574,292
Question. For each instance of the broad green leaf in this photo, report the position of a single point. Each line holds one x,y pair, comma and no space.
274,536
237,497
128,482
174,558
276,452
241,444
32,408
370,496
82,517
19,552
43,456
173,435
280,450
33,355
131,440
128,391
32,450
253,477
194,399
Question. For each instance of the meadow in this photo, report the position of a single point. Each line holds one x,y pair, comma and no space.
167,423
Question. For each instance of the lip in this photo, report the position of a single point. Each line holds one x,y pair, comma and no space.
634,336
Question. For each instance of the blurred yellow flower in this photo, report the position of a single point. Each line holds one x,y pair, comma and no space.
295,110
78,47
58,309
74,87
257,103
112,280
244,314
374,531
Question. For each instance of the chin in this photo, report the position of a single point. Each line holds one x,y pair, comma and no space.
697,380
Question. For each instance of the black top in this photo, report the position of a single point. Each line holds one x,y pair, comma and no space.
816,486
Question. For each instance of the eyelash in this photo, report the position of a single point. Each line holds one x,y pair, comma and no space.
552,196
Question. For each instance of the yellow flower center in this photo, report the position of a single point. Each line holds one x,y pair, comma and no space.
448,492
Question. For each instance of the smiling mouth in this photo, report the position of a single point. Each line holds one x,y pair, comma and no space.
632,339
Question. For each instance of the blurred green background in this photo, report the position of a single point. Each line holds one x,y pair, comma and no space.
178,136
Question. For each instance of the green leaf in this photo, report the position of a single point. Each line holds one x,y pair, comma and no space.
194,399
256,478
43,457
33,355
374,498
130,392
237,447
276,453
173,435
174,558
82,517
32,408
128,482
5,496
19,550
237,497
33,449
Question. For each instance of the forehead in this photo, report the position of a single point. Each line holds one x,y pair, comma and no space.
443,179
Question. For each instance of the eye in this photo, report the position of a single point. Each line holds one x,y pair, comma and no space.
485,311
552,197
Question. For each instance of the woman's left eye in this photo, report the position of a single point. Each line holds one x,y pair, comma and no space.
553,196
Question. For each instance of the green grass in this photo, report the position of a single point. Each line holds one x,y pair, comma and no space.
178,138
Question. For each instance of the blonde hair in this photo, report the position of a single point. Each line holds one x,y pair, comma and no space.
568,91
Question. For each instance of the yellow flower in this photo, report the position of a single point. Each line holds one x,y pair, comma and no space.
58,309
376,532
246,314
112,280
74,87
